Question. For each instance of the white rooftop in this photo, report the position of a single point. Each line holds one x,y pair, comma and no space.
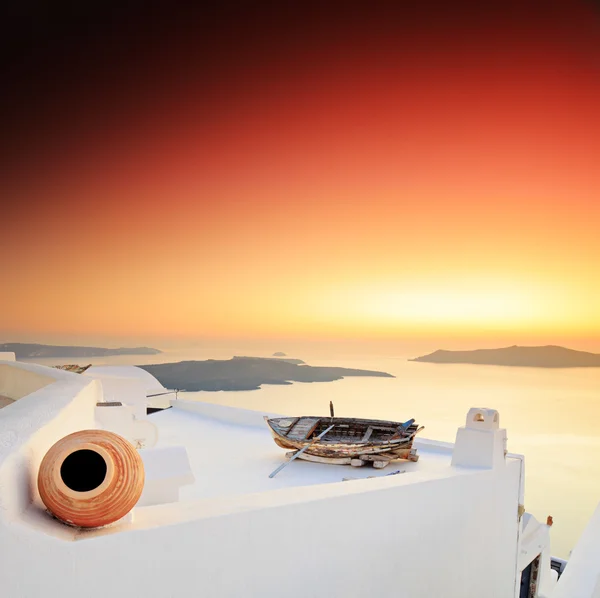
229,459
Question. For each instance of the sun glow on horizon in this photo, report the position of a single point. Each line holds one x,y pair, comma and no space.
466,307
388,180
449,307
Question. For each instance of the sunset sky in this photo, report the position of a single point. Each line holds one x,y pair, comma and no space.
377,174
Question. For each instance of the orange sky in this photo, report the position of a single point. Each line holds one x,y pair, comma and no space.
393,179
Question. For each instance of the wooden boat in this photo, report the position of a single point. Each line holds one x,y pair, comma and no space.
349,440
73,367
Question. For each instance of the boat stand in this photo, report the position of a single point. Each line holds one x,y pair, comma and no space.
379,460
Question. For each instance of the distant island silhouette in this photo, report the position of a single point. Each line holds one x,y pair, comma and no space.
246,373
32,350
549,356
279,354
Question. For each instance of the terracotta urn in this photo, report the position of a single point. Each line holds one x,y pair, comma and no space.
91,478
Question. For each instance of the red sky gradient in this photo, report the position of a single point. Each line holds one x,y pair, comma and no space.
405,177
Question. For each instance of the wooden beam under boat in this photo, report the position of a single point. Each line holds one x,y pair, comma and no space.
379,460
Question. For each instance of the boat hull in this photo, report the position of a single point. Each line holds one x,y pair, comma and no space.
399,448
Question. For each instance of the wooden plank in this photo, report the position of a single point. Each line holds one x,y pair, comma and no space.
316,459
312,430
381,463
367,434
303,428
294,422
401,453
376,457
413,456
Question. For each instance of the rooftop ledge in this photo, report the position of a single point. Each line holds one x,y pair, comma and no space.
232,453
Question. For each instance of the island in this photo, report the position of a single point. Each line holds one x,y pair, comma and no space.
549,356
36,351
246,373
279,354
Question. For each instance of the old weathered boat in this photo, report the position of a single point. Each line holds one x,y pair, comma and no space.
351,441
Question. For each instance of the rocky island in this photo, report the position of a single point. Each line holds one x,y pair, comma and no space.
549,356
246,373
36,351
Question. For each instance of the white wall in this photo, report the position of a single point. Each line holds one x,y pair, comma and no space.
535,541
127,391
126,371
223,413
452,537
17,382
130,385
30,426
7,356
450,534
581,577
120,420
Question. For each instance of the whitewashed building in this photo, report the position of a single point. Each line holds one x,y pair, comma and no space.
211,522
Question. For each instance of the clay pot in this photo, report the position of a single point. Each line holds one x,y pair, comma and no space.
91,478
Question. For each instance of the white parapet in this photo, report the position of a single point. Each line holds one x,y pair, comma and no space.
480,442
581,577
120,419
124,390
130,385
167,469
48,404
7,356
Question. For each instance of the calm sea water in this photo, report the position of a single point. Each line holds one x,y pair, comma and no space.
551,416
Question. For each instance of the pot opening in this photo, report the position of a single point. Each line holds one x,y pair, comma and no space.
83,470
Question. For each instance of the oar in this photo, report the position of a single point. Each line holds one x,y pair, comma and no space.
272,475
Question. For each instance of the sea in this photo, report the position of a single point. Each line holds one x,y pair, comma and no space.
552,416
